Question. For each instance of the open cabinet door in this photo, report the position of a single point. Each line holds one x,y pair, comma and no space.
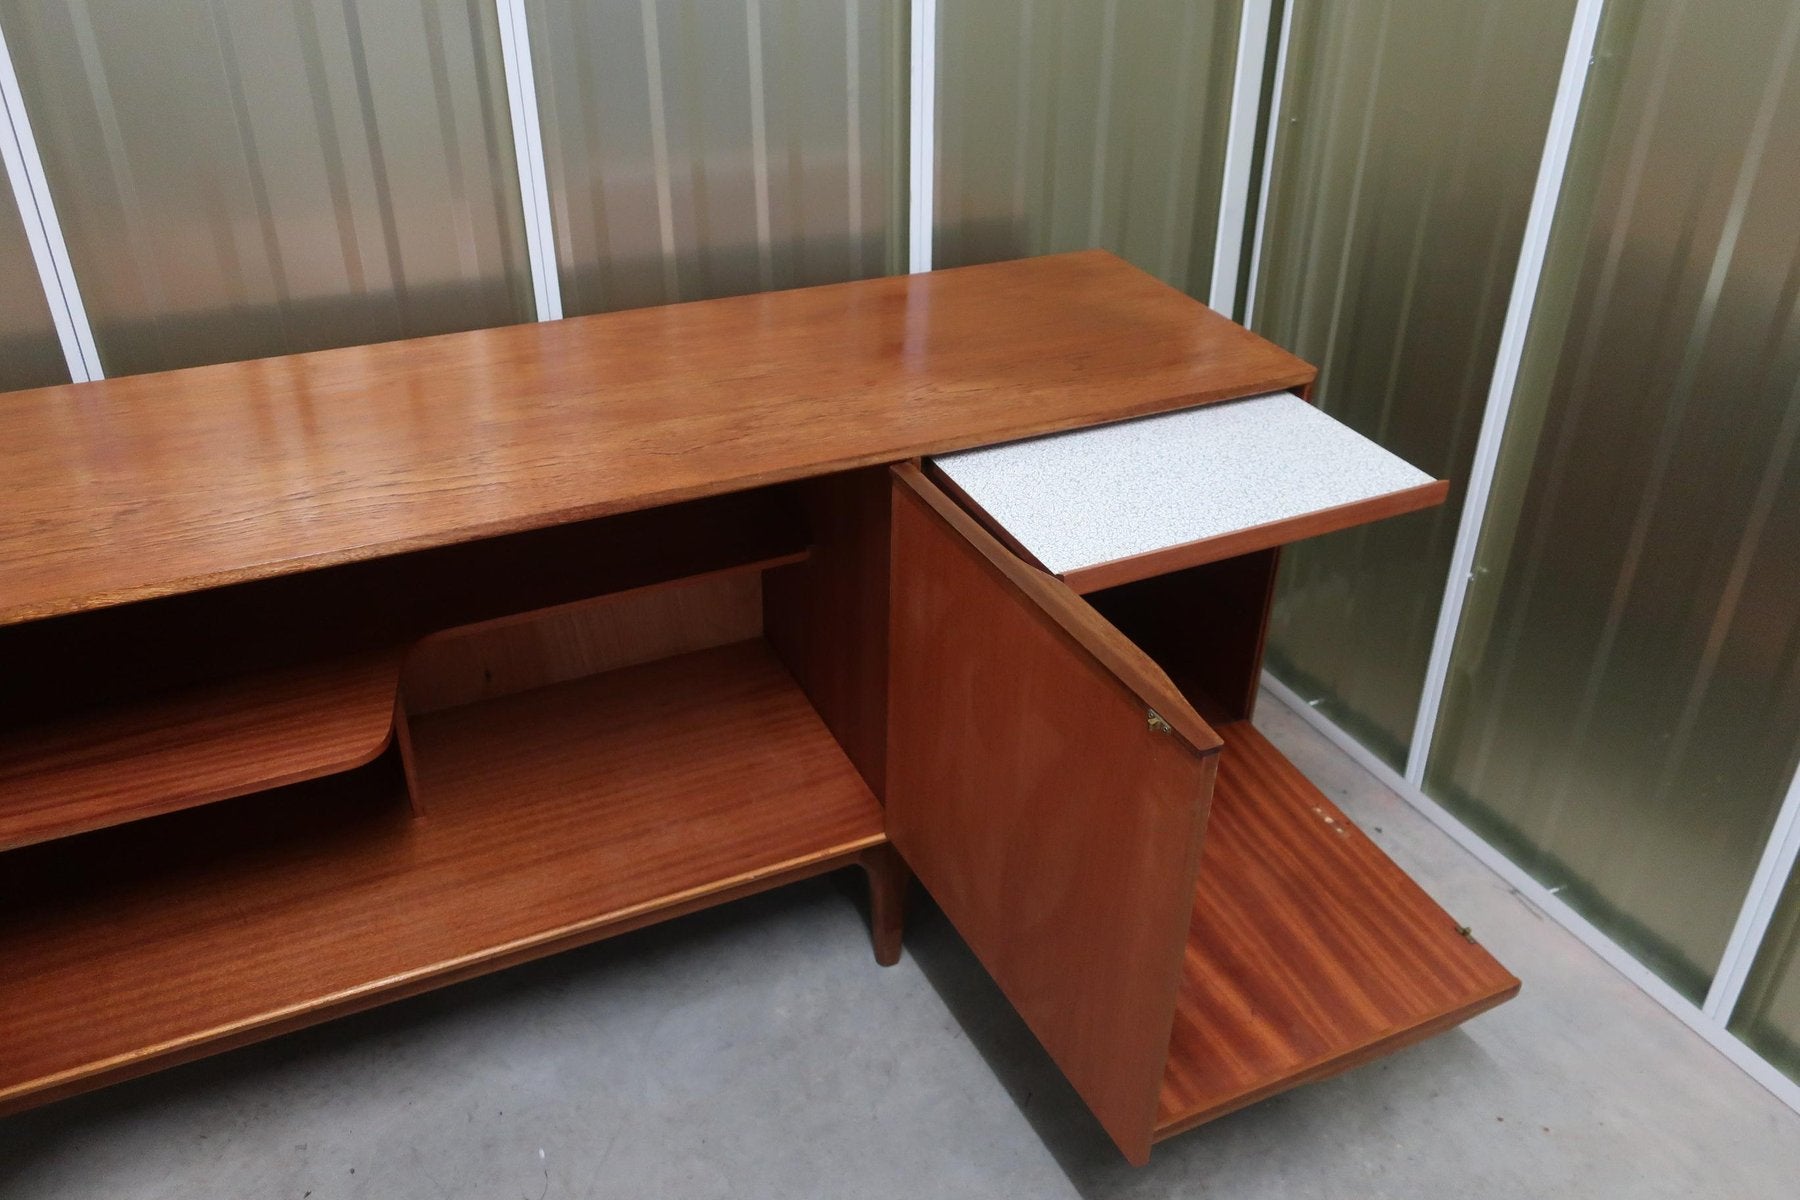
1049,786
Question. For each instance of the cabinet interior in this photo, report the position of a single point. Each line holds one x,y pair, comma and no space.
364,781
1306,949
1309,950
537,741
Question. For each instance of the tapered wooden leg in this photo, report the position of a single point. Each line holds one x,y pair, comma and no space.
888,880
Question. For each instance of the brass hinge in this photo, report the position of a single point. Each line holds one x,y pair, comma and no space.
1157,723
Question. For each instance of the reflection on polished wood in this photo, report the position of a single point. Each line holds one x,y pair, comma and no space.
147,485
1310,951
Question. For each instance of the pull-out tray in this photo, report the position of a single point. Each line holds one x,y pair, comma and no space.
1118,503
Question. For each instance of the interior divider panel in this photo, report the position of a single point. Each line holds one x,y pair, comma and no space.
1048,786
1117,503
194,746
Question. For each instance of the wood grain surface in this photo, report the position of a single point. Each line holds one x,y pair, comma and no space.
889,879
552,818
1055,825
590,637
1133,672
1310,951
155,484
193,746
828,616
1204,626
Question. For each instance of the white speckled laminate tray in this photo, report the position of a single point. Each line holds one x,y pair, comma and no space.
1200,484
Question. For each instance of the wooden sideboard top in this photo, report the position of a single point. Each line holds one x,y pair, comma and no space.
150,485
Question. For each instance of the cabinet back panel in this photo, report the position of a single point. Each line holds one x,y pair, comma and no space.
509,656
1204,626
116,654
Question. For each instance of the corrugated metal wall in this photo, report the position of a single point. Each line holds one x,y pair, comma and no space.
1408,144
1065,124
252,177
703,148
1623,710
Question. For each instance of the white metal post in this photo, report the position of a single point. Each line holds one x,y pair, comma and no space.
1532,251
43,232
528,153
1240,152
1766,887
1286,37
922,153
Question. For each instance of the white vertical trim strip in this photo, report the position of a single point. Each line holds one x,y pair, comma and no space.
1532,252
1772,872
853,158
1699,1020
43,231
659,150
528,152
1240,149
1287,19
922,169
1109,24
759,145
1771,877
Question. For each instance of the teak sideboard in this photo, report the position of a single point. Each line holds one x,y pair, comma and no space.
333,678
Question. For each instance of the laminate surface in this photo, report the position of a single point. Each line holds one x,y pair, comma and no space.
1114,503
193,746
156,484
1309,951
554,817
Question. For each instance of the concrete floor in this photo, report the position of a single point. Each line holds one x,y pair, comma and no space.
756,1050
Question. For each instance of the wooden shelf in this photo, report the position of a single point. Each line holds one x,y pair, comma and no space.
1310,951
194,746
552,818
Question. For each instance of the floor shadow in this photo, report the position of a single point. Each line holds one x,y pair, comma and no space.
1083,1150
1056,1113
